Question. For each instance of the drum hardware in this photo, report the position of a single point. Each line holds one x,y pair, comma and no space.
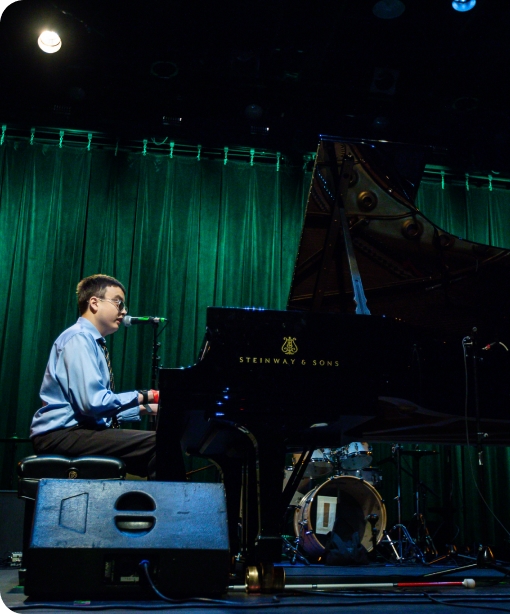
292,549
407,548
319,465
485,559
372,475
412,551
315,517
372,519
387,540
357,455
423,536
450,556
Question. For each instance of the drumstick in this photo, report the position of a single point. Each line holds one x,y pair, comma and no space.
468,583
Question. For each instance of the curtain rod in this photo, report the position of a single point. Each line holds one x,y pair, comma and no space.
166,145
443,173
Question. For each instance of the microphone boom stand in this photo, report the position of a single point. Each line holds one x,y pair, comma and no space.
485,557
154,365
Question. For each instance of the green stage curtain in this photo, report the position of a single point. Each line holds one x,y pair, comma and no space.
478,214
182,234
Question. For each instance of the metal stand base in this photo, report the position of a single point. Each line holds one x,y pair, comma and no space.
291,550
484,560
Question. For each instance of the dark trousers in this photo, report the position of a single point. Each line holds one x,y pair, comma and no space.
136,448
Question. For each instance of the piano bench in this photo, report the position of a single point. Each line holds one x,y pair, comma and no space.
32,469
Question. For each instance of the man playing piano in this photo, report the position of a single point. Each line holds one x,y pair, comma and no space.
81,412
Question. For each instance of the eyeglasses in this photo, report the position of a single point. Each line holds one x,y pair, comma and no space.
121,305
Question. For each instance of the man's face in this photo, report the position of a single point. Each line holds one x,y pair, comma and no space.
109,315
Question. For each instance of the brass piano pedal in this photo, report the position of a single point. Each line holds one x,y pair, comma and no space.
264,578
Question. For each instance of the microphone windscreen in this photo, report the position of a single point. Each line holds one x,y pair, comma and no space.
126,320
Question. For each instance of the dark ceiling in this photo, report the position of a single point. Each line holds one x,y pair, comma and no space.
222,72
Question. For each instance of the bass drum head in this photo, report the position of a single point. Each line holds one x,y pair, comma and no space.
346,498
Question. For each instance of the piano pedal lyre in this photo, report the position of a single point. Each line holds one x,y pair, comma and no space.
265,578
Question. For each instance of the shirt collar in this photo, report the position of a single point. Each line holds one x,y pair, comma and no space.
87,324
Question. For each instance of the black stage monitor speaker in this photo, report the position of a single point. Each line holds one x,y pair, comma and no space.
11,525
90,536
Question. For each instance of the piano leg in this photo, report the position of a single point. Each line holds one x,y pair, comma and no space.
269,472
255,503
170,465
231,470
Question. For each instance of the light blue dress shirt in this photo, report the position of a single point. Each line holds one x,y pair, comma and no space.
76,385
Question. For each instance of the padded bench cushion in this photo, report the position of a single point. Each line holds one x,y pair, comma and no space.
34,468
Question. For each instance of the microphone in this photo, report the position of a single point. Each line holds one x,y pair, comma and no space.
132,320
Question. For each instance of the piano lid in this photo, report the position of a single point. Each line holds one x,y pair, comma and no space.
410,269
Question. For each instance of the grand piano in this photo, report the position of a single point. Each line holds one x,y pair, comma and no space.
390,320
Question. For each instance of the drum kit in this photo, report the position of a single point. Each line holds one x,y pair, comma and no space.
334,482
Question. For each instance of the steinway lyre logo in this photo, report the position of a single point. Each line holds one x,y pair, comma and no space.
289,346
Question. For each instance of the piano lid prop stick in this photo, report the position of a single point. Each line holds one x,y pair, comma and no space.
468,583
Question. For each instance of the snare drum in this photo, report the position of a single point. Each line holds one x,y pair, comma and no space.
315,517
356,455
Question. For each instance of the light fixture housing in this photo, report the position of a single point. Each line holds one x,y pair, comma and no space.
463,5
49,41
388,9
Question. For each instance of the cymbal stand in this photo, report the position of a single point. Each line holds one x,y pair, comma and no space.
447,512
422,533
412,551
472,343
484,560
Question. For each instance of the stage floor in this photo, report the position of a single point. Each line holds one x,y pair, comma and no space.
303,590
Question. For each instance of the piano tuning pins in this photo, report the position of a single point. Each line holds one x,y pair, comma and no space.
445,240
412,229
367,200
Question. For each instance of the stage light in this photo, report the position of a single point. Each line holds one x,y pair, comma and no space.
49,42
463,5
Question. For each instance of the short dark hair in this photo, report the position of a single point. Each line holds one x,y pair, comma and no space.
95,285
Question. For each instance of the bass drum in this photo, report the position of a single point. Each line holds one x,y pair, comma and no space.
345,498
372,475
